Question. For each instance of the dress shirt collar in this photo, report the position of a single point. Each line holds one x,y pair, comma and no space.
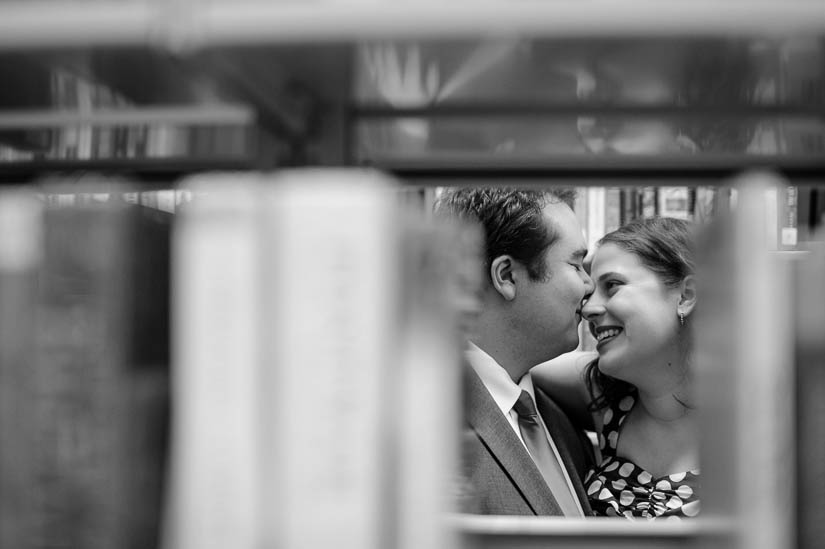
495,378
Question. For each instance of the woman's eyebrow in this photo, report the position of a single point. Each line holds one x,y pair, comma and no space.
608,275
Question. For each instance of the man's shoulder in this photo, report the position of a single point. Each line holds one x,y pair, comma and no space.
550,410
542,396
565,434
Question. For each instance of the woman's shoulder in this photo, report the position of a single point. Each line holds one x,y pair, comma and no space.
573,359
583,358
563,380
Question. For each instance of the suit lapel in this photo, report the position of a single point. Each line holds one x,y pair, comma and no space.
492,427
553,419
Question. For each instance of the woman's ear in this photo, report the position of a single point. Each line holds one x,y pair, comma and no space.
687,296
502,276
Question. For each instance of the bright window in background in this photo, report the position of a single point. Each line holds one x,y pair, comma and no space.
522,98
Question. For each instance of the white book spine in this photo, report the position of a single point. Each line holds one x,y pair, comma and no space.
595,216
764,393
21,230
331,273
744,370
21,254
439,283
216,291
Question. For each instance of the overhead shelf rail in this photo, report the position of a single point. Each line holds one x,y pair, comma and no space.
181,114
189,25
291,73
585,171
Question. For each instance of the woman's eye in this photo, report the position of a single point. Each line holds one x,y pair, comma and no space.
612,285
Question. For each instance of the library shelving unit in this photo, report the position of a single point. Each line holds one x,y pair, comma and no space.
635,94
294,78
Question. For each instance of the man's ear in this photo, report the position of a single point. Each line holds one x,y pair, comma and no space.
503,277
687,296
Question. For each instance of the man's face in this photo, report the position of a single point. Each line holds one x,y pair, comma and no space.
548,311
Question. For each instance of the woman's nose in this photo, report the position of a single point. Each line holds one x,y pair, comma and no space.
592,307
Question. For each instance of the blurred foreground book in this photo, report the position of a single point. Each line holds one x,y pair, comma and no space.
810,388
84,438
744,370
21,253
314,373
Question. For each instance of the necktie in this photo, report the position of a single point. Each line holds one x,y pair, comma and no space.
537,444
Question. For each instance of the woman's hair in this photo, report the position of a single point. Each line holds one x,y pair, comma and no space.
665,246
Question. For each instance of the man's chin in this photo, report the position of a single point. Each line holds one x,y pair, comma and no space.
570,346
574,339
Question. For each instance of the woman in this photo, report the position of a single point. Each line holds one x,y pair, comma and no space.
636,392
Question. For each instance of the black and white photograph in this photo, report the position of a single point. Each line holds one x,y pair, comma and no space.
392,274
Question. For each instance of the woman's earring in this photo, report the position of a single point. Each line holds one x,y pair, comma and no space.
682,319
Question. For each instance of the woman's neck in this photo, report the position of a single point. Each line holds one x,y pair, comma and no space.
665,407
667,394
660,434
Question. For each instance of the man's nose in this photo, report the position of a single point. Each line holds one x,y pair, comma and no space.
589,286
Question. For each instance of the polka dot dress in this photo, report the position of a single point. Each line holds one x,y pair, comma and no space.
619,487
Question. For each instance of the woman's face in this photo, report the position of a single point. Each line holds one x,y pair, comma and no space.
632,315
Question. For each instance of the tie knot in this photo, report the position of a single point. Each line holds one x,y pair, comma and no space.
524,407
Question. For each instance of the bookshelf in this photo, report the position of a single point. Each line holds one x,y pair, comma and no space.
157,92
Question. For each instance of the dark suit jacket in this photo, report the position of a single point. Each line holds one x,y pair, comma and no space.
499,477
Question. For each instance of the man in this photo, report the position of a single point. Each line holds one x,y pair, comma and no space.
516,462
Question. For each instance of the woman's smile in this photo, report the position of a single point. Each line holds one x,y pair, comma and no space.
605,334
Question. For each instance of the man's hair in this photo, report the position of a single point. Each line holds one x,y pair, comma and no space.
512,220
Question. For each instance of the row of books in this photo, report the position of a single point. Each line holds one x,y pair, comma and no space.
275,364
302,402
84,368
760,373
70,89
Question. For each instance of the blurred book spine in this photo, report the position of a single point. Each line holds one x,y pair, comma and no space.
676,202
215,467
788,223
21,252
317,354
595,204
612,209
96,407
764,373
438,302
752,397
331,314
810,405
